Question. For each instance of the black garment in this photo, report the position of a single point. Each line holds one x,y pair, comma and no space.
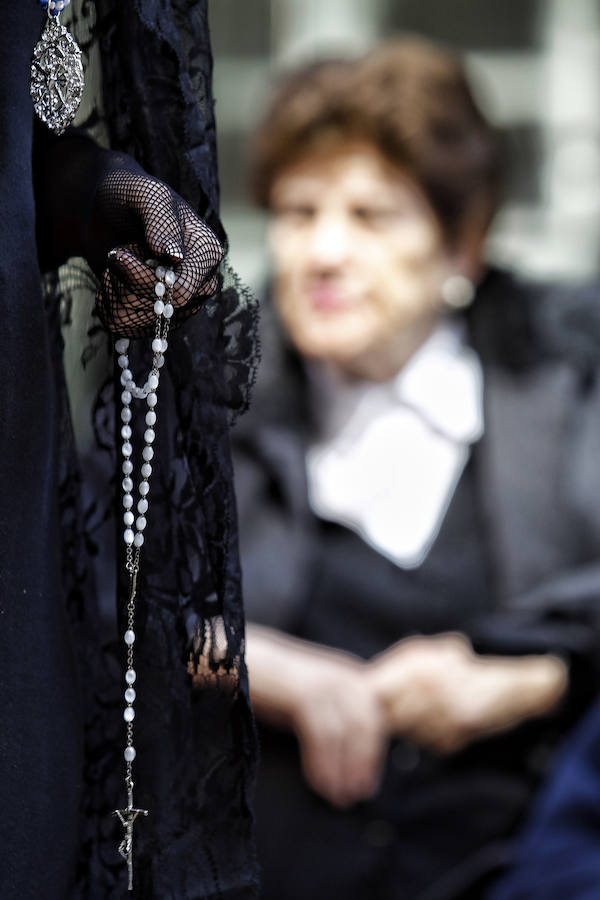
360,602
41,740
438,828
61,728
558,855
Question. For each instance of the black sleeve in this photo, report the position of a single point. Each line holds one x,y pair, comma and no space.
561,615
67,171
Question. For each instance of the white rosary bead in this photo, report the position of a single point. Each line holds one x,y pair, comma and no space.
161,272
162,307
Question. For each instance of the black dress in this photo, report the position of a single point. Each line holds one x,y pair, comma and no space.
61,730
41,731
514,568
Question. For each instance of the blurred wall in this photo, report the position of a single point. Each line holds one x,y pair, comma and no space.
536,64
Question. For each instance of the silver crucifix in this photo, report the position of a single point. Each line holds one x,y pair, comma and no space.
128,817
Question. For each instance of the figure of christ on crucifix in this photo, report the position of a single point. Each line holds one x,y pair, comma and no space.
128,817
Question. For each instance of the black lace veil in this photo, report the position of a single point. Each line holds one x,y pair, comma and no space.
148,94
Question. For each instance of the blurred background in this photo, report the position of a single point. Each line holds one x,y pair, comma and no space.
537,67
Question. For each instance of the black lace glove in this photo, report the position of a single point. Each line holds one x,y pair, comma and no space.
90,202
142,218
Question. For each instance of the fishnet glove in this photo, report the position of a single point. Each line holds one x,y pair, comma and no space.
139,218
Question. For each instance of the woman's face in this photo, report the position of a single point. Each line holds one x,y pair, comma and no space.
358,256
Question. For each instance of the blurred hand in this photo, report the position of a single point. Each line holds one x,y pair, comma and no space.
325,698
340,728
438,693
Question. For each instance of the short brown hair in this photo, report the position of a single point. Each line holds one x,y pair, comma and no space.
408,98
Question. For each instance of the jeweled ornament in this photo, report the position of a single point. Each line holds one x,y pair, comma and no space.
56,72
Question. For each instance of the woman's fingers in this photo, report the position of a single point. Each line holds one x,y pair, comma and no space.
364,754
342,746
126,299
161,214
130,282
173,231
321,764
197,275
137,276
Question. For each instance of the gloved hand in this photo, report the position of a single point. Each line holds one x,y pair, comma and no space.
90,201
141,218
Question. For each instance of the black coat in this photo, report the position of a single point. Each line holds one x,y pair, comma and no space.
537,484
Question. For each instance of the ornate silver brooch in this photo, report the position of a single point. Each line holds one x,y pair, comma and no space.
56,76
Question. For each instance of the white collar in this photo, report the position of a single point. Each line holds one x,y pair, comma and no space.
442,382
388,456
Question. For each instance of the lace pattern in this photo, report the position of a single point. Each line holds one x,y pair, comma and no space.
196,741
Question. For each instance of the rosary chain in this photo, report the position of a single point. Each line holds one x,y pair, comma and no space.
135,540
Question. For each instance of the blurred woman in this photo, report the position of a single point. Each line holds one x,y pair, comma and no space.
417,488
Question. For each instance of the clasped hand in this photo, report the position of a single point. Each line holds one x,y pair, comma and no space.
142,217
433,691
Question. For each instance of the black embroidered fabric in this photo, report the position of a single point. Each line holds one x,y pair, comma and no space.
195,738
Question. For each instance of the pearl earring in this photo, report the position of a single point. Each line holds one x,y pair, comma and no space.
458,292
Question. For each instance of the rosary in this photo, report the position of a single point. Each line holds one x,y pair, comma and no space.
56,89
134,539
